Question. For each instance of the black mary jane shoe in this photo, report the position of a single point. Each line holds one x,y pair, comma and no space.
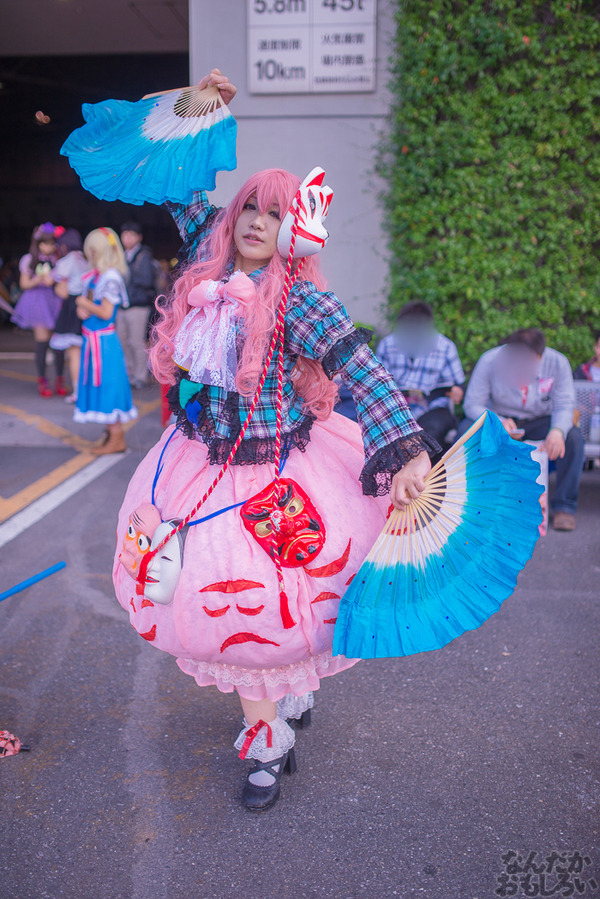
300,723
259,799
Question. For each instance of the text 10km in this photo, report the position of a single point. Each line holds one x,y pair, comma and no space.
282,6
271,70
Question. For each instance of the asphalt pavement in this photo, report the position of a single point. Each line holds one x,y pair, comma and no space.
417,778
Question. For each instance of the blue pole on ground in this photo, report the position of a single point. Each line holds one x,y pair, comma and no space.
32,580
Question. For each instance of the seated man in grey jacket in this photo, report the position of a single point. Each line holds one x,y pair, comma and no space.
530,387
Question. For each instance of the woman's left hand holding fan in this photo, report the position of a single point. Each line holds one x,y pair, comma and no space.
216,79
409,482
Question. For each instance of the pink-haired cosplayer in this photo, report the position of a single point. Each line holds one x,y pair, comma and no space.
211,597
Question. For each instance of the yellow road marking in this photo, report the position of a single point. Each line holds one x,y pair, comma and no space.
47,427
17,376
14,504
26,496
67,437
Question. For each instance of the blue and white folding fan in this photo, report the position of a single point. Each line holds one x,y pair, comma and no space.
446,562
163,147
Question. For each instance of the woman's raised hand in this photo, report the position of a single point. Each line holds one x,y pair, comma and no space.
216,79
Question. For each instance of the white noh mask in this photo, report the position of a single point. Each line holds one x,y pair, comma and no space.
165,567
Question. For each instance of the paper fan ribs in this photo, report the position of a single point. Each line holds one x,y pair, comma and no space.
163,147
443,564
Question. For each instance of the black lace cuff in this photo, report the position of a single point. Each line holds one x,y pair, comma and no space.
341,352
252,450
376,476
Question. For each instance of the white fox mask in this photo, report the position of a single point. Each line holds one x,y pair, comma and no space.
313,199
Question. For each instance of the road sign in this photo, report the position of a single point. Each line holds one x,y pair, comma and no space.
311,46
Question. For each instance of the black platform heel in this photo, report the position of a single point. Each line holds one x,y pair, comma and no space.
259,799
302,722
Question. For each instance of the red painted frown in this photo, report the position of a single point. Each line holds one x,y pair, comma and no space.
216,613
325,595
230,586
333,567
245,610
245,638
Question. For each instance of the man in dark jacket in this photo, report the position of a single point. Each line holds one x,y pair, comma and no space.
132,323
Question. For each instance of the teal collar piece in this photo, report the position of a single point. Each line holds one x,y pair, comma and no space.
187,391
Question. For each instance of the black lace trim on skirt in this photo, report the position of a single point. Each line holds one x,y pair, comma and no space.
252,450
376,476
342,351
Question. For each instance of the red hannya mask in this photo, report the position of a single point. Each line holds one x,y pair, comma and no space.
299,527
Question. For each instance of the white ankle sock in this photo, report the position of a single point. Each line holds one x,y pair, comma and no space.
263,778
292,706
282,738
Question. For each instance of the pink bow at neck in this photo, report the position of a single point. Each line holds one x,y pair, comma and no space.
239,289
91,277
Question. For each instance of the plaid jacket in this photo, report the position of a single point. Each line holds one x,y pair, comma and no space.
439,368
316,327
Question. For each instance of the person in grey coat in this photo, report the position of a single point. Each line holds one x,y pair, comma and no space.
530,387
132,323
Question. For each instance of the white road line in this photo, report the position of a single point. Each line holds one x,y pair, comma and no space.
55,497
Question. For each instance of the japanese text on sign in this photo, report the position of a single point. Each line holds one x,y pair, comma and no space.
311,46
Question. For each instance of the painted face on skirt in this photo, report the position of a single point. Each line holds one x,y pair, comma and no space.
239,618
244,604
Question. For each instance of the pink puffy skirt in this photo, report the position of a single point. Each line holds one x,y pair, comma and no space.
225,624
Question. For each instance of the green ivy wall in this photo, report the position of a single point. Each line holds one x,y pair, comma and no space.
493,169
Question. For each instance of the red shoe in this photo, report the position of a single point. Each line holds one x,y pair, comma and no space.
59,386
43,387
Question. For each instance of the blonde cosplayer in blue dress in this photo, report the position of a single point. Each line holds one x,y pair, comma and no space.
103,393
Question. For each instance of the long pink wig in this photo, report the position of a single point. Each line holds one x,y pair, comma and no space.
310,381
